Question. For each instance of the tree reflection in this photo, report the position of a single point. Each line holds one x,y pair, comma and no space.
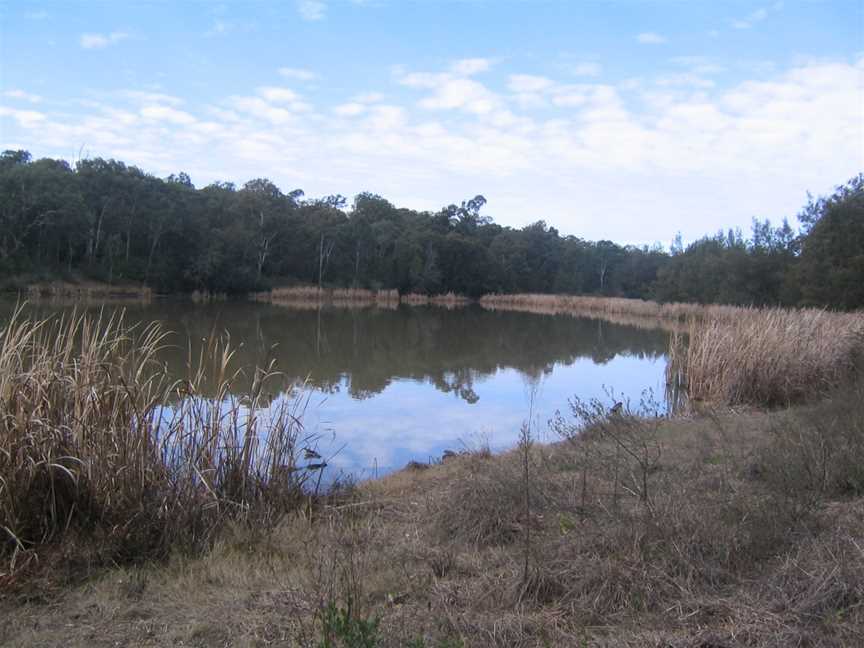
366,349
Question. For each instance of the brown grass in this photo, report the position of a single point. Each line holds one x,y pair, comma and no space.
101,450
88,291
722,552
768,356
606,306
346,297
310,296
415,299
449,300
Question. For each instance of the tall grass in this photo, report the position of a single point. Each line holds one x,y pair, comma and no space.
336,296
768,356
605,306
98,443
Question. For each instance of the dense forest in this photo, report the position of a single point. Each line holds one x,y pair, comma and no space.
106,221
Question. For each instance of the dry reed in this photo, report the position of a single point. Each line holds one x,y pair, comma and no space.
449,300
415,299
605,306
88,291
98,442
768,356
336,296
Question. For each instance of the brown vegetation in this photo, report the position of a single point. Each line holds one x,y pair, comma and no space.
415,299
335,296
88,291
605,306
191,523
768,356
449,300
303,296
104,458
637,532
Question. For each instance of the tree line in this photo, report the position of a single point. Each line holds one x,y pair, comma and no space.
107,221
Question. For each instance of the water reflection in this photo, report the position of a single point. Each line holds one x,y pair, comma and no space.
392,385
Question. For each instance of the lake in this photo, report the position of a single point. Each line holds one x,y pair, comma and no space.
391,385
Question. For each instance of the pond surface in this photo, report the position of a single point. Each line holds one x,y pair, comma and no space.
393,385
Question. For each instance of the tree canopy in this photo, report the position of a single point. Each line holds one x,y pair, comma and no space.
104,220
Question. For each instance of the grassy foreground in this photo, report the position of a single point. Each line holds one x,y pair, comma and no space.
122,524
728,530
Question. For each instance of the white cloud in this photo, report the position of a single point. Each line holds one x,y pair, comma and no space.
26,118
684,80
297,74
350,109
312,10
686,147
99,41
651,38
278,95
757,16
368,97
471,66
450,93
453,90
22,95
261,109
167,114
529,83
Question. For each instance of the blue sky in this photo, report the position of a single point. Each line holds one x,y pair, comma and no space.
622,120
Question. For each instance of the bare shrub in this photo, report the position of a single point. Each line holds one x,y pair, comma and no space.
622,443
484,503
816,453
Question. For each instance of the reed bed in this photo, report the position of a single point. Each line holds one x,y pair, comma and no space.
621,306
99,444
88,291
312,297
768,357
335,296
649,322
415,299
449,300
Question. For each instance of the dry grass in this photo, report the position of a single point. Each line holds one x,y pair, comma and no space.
103,454
415,299
344,297
768,356
449,300
722,553
310,296
730,529
88,291
607,306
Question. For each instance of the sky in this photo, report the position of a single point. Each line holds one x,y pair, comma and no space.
621,120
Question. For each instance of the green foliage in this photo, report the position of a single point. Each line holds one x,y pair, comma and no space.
104,220
341,628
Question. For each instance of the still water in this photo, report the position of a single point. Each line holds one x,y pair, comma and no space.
387,386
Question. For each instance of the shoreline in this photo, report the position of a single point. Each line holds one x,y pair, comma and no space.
630,530
717,538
